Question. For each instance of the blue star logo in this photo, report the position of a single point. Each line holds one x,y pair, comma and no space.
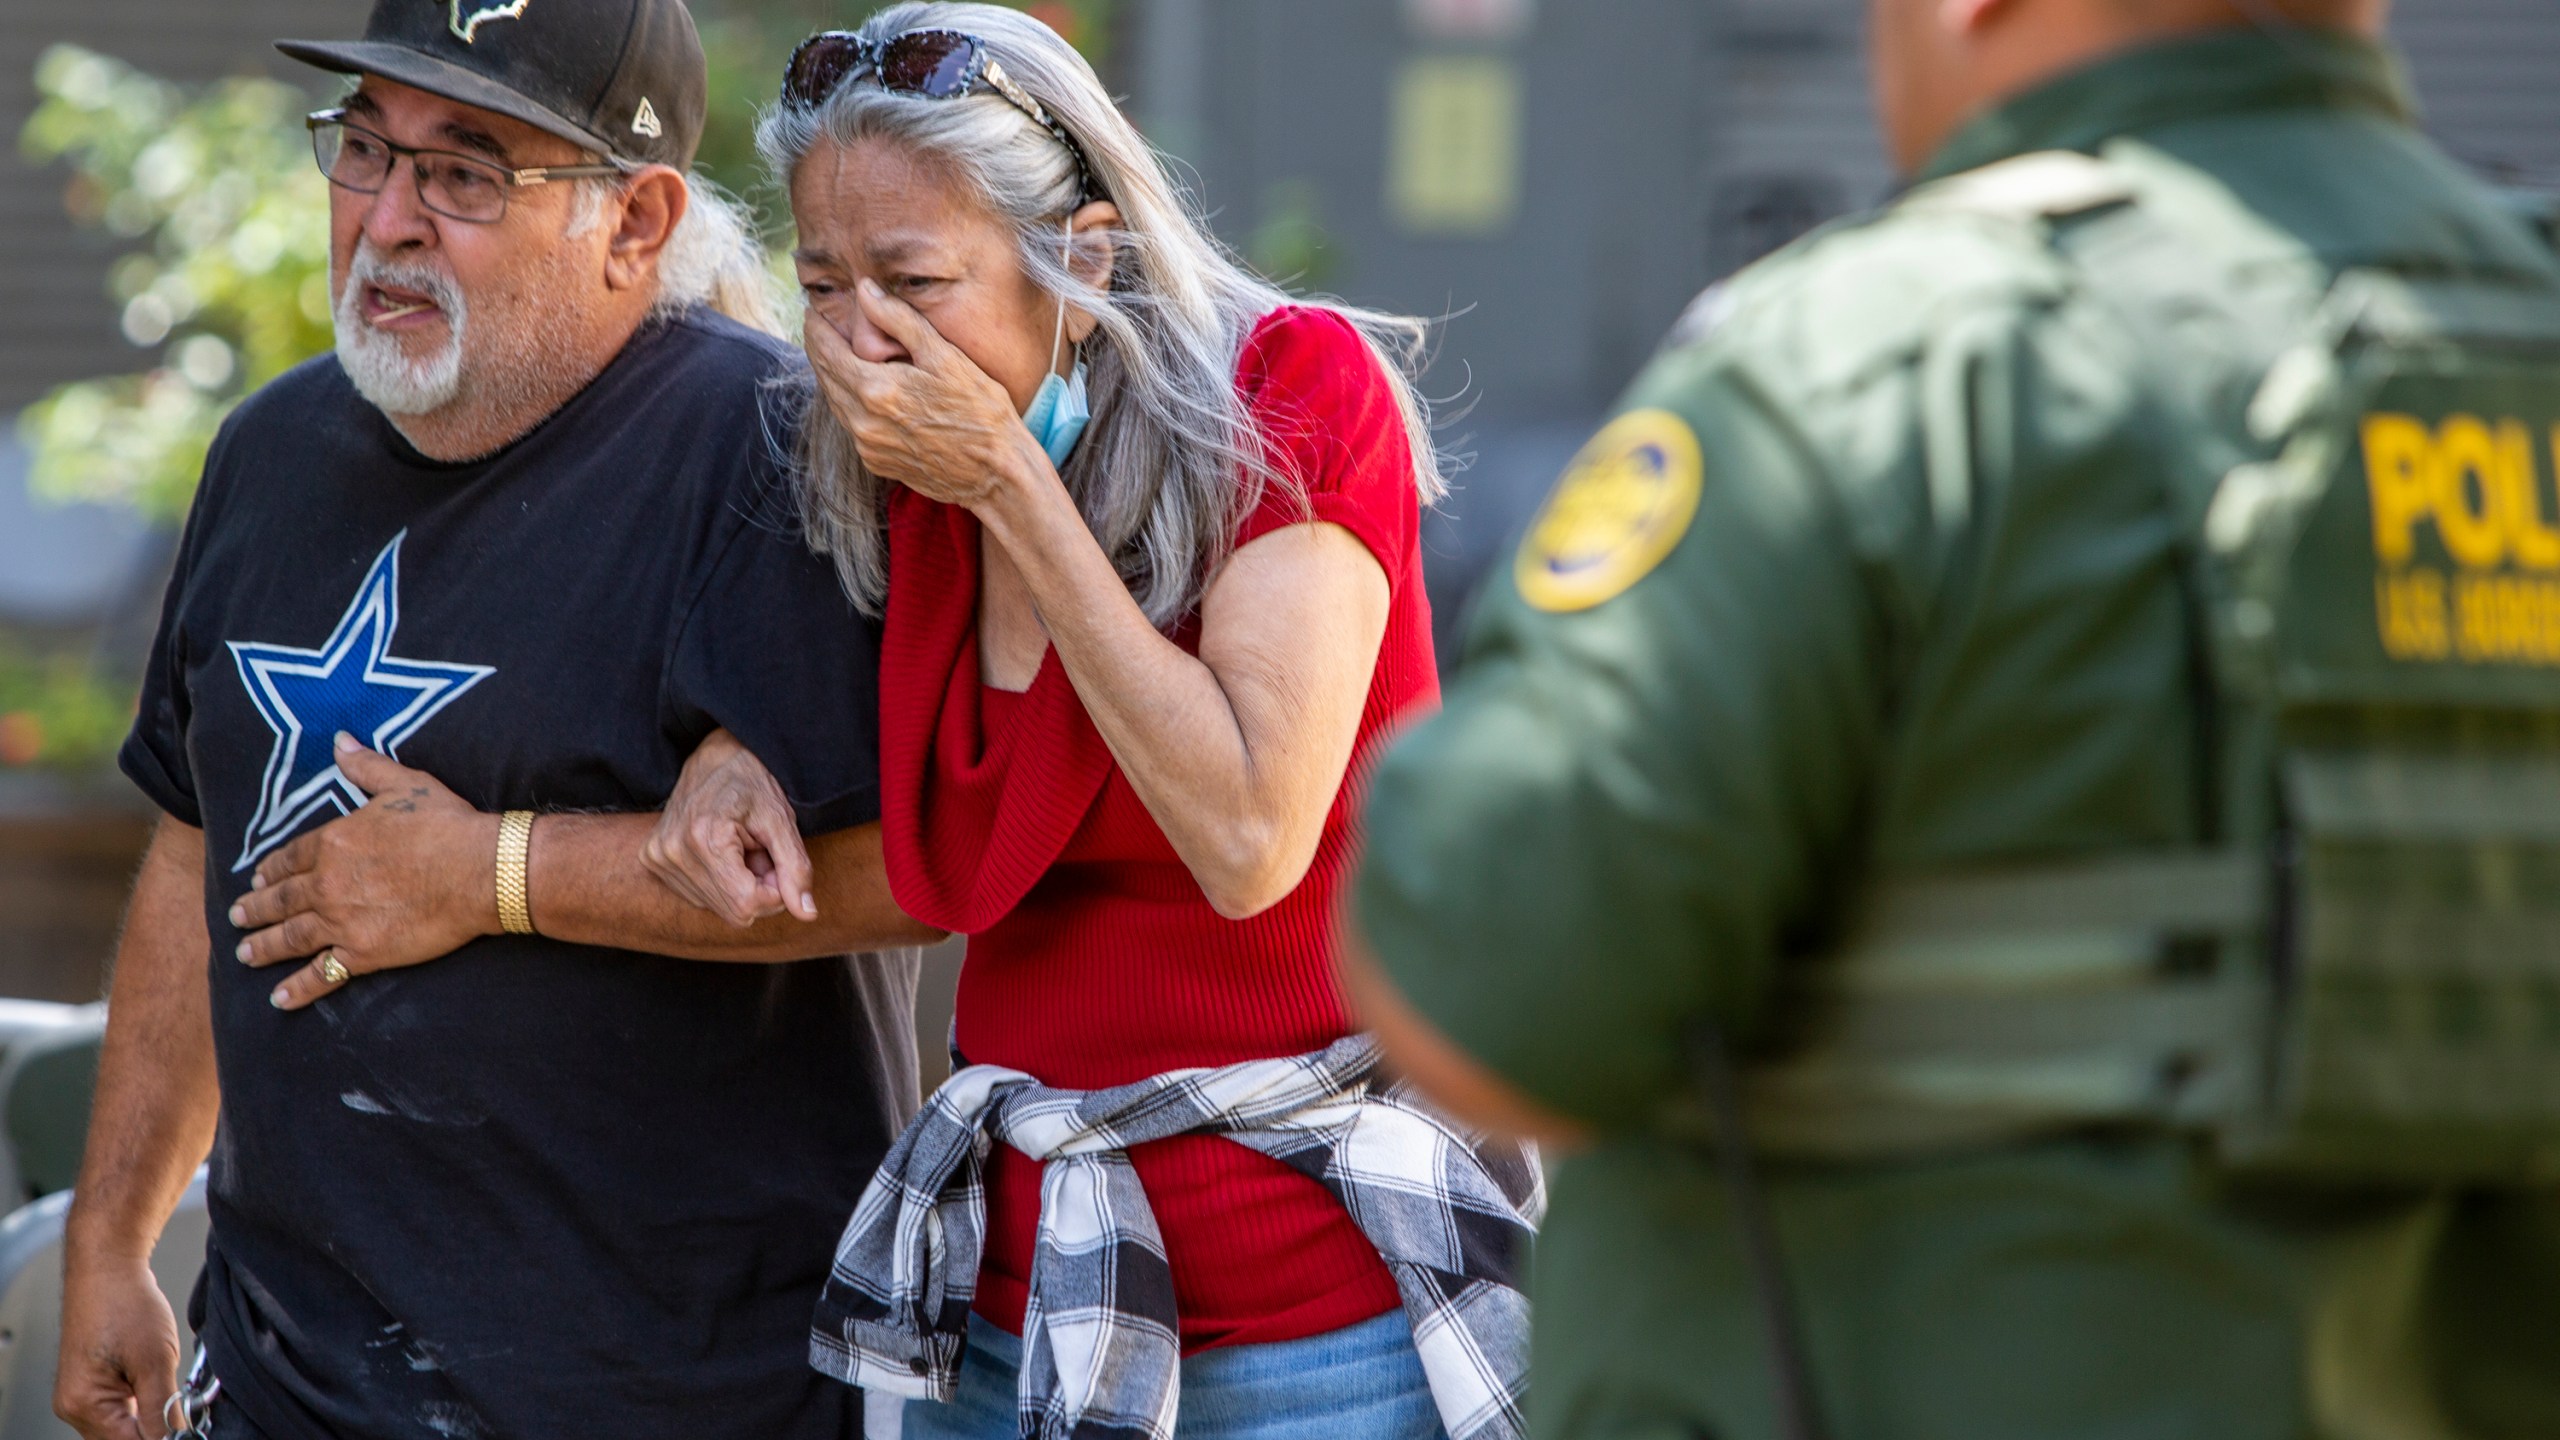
352,683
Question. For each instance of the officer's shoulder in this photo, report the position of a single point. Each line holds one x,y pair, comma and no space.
1869,293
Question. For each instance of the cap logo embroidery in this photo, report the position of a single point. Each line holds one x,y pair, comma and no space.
646,122
464,29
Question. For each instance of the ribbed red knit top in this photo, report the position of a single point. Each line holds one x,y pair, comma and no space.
1094,958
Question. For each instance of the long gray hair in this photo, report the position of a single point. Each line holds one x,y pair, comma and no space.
1172,460
711,260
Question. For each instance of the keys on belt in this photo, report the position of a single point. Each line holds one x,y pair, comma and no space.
184,1413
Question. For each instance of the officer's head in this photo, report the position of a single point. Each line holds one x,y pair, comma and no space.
1940,62
508,202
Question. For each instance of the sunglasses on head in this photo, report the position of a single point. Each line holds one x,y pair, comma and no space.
933,64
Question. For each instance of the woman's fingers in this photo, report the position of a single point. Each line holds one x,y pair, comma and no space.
828,352
675,865
858,391
701,850
903,323
775,830
847,377
722,849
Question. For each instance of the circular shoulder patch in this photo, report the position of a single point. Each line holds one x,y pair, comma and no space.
1623,503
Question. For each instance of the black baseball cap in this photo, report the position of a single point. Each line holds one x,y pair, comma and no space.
624,77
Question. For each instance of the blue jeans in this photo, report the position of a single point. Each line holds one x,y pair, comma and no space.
1361,1382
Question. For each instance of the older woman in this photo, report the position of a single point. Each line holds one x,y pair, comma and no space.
1131,668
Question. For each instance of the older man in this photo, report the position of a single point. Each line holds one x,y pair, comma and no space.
2115,915
521,530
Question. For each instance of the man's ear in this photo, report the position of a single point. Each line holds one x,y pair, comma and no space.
653,205
1092,256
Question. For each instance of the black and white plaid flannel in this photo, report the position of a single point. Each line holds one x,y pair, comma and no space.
1451,1216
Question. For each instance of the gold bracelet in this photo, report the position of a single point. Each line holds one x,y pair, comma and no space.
515,851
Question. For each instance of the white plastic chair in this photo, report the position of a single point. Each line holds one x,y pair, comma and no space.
31,1303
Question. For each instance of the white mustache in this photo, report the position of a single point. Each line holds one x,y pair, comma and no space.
367,268
376,361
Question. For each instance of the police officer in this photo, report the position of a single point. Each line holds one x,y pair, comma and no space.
2037,713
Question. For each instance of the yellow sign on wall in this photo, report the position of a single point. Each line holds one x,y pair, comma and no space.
1453,145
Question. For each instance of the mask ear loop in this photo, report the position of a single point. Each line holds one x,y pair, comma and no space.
1066,262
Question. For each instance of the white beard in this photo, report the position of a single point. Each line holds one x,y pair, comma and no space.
376,361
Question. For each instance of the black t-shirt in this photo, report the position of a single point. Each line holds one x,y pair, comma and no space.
531,1189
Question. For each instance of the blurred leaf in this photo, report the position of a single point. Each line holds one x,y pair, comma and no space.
229,287
1291,246
55,714
747,41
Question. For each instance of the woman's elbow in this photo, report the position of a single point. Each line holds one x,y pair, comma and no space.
1258,868
1235,902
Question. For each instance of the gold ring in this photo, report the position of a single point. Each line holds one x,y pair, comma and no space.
333,969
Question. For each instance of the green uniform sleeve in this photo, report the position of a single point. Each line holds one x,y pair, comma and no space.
1611,826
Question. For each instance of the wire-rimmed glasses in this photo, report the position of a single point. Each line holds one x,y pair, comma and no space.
456,186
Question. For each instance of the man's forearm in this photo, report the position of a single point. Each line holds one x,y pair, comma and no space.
589,887
153,1117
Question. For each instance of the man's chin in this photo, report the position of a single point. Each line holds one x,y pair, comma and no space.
399,386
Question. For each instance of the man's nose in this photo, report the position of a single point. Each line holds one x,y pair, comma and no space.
394,216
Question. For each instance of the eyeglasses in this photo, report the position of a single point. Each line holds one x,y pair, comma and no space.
457,187
934,64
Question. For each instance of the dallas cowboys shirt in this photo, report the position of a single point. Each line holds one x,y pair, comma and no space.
531,1189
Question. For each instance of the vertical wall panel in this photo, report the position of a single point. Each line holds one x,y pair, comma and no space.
2488,73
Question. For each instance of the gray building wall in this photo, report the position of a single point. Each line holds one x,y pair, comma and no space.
2488,74
1662,143
1666,143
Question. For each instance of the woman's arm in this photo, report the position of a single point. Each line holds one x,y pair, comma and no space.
1238,752
409,878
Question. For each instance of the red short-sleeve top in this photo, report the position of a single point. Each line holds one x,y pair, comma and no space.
1094,958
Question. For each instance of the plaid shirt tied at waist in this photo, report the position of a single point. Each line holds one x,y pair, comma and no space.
1451,1216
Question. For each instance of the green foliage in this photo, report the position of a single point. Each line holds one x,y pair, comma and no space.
228,289
56,714
1291,246
229,285
747,41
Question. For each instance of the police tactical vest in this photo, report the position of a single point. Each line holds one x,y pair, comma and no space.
2359,980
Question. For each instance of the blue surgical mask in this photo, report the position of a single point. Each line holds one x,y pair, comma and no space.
1058,414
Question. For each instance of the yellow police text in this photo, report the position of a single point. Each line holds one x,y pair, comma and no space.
2503,619
2473,481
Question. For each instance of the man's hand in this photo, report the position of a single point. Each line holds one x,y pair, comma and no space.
407,879
120,1352
728,841
150,1124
